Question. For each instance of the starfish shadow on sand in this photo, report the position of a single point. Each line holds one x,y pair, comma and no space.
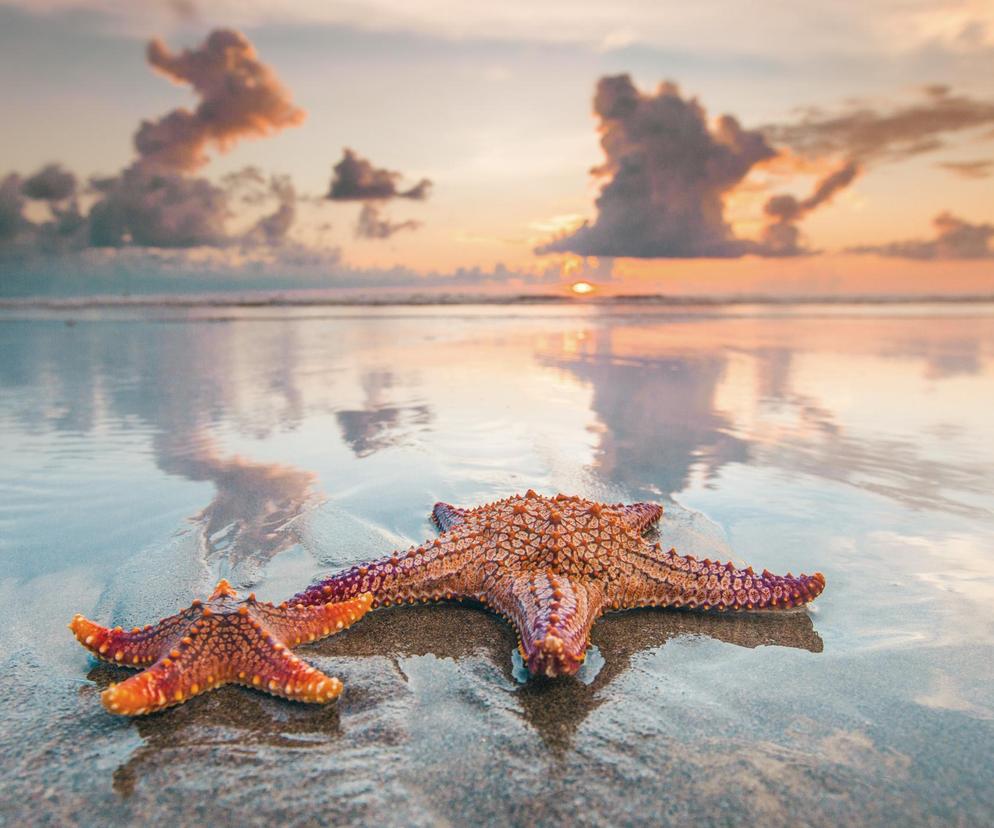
227,722
554,708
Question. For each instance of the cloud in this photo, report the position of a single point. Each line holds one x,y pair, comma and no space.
955,238
272,229
867,133
153,202
781,235
150,209
668,171
18,232
968,169
372,225
354,178
667,174
239,97
51,183
12,220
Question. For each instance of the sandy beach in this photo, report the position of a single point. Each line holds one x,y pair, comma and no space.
147,454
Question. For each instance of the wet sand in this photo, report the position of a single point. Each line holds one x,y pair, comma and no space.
143,461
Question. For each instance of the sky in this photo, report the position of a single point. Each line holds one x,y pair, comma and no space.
714,148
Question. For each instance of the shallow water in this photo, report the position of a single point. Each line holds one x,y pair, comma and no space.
147,453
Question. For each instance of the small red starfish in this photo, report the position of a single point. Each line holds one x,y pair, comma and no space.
222,641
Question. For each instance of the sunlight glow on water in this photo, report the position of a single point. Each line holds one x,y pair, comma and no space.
144,459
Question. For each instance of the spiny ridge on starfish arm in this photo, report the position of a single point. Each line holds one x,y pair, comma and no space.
551,566
225,640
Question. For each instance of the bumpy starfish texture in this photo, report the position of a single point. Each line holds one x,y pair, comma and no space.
552,566
224,640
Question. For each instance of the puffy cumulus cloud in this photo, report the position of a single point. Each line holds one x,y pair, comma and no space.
781,235
51,183
955,238
968,169
239,97
154,202
151,209
373,225
868,133
62,229
354,178
668,172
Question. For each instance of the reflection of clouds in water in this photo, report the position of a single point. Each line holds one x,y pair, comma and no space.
877,424
254,506
379,424
945,692
948,356
675,721
659,414
178,382
681,401
956,570
172,377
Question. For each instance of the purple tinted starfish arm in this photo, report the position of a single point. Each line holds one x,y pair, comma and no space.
650,577
446,516
445,568
552,615
640,516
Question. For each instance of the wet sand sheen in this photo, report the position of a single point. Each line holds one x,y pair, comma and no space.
144,461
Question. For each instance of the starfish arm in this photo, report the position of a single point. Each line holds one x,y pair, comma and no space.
651,577
552,615
303,623
437,570
640,516
220,653
137,647
446,516
269,665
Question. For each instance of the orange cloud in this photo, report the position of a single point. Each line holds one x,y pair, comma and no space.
239,97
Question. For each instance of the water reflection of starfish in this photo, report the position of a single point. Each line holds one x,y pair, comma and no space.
552,566
556,709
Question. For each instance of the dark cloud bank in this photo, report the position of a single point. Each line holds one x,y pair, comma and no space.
668,171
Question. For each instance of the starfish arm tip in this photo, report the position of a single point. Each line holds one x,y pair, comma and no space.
91,635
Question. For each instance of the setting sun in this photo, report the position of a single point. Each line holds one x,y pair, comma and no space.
582,288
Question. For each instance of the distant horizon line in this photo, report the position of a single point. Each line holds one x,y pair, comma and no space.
423,299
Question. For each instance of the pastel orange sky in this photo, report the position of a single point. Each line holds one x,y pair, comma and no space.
831,149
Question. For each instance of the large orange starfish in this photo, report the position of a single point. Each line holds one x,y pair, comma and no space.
222,641
552,566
